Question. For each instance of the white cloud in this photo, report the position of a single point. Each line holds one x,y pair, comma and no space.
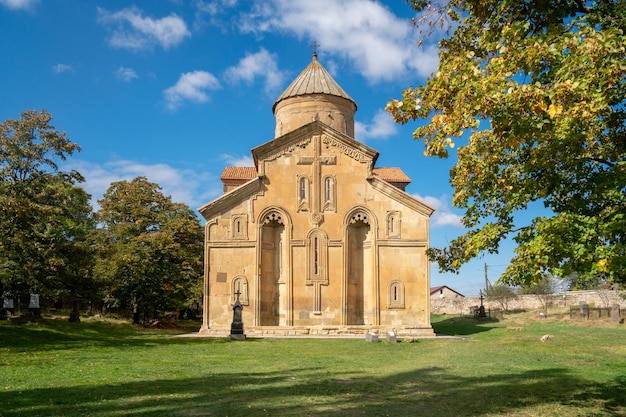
125,74
187,186
258,65
381,127
380,44
131,30
61,68
211,13
191,86
443,215
19,4
214,7
237,161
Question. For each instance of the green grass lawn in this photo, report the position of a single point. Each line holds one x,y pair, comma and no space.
99,368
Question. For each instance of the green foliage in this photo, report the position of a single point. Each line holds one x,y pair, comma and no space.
149,248
578,281
502,294
533,95
100,369
543,288
46,218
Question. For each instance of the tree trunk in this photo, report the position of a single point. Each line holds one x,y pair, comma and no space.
74,315
136,313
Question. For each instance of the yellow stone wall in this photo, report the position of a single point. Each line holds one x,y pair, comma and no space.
336,112
389,254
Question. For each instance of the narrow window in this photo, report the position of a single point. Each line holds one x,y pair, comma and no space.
238,229
316,255
316,258
393,224
328,189
302,189
396,295
329,194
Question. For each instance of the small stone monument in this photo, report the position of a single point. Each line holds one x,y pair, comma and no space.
481,309
371,337
615,313
391,337
236,328
33,306
7,304
584,310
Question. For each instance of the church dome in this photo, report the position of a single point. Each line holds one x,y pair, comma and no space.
314,95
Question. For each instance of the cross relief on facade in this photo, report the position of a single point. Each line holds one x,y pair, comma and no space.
317,274
317,188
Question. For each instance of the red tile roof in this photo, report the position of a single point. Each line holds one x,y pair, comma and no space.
391,175
238,173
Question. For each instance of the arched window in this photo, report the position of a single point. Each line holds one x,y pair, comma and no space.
396,295
317,246
304,192
316,256
328,190
302,189
393,224
239,226
329,195
239,286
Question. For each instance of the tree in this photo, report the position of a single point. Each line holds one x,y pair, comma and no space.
71,253
543,289
45,217
502,294
150,249
534,92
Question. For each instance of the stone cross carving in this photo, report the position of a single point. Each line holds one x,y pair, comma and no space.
314,45
317,160
481,309
236,328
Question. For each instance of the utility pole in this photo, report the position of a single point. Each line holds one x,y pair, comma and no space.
486,279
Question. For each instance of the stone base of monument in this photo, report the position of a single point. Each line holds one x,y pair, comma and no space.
318,331
236,331
371,337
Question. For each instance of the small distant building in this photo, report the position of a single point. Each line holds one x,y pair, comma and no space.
443,291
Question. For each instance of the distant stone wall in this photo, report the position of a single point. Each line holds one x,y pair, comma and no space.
599,298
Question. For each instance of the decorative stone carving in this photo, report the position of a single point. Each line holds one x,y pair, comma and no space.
289,148
346,150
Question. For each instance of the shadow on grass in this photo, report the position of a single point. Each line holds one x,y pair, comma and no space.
460,325
50,334
312,392
296,389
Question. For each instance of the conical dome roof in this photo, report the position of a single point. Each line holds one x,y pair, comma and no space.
314,95
314,79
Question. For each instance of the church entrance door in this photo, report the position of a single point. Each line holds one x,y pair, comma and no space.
272,280
359,253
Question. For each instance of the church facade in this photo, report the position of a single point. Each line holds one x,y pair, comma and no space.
314,238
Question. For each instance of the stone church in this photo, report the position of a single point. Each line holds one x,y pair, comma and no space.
314,239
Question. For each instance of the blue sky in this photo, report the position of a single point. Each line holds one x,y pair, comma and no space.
175,90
